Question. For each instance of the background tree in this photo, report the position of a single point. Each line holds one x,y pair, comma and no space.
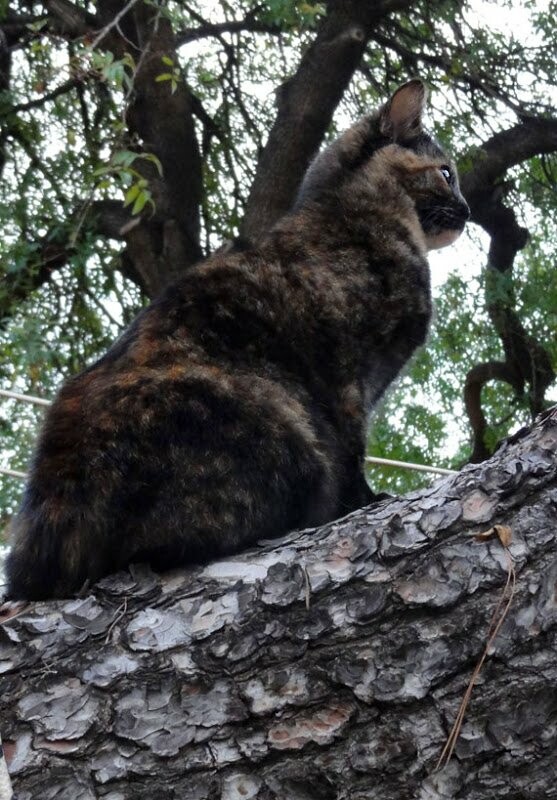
137,137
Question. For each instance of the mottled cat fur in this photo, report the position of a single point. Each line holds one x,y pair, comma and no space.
236,405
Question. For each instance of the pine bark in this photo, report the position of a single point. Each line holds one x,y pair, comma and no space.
328,665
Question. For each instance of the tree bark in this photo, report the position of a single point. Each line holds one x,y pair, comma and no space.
165,243
329,664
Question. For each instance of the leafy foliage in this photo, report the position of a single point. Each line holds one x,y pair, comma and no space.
66,146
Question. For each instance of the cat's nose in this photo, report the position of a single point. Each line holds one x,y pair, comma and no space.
464,210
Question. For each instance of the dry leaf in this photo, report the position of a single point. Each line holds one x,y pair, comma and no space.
504,533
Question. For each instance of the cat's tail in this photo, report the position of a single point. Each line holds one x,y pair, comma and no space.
49,558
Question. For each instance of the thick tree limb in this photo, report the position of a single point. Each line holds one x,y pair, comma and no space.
532,136
527,362
327,665
175,143
167,242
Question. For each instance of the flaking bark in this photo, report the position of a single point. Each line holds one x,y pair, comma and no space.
329,664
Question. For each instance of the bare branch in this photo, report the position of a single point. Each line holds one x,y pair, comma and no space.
112,24
476,379
412,59
64,88
527,362
250,24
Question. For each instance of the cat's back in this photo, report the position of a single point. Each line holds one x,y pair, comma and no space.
219,350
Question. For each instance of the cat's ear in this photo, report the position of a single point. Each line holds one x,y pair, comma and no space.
401,117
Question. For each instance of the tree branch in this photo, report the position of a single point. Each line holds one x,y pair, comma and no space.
249,24
527,362
5,75
530,137
64,88
476,379
15,27
67,20
107,218
114,23
413,58
167,241
327,665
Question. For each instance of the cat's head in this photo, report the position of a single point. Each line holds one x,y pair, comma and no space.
393,141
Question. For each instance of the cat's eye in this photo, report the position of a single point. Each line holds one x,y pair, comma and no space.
446,173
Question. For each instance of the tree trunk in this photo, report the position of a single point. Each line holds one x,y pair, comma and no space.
328,665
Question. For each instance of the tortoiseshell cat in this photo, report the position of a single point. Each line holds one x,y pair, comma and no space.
235,407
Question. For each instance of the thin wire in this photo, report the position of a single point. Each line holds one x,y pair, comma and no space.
370,459
25,398
388,462
15,473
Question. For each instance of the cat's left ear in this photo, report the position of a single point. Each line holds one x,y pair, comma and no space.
401,117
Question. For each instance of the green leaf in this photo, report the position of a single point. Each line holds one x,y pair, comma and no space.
38,25
154,160
131,194
142,198
124,157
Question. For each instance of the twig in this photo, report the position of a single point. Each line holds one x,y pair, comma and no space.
112,24
494,627
120,612
307,587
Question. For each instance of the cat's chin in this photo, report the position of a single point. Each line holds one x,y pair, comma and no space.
438,240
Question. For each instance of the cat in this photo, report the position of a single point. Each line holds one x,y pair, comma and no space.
236,405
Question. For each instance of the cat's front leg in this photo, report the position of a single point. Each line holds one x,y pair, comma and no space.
356,491
351,426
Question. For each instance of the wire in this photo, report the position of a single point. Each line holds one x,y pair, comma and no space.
14,473
389,462
386,462
25,398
